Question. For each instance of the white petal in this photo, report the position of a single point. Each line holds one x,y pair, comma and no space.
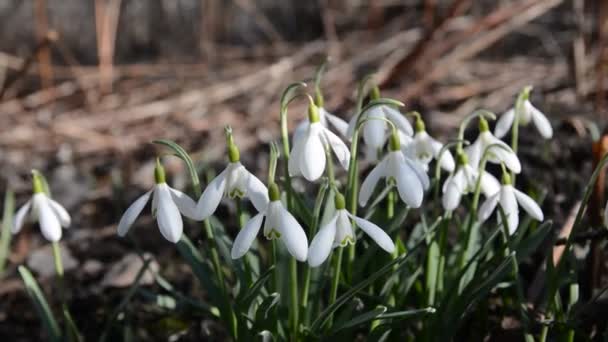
374,129
245,238
312,161
20,217
541,122
339,147
487,208
127,219
340,125
321,244
420,172
447,160
64,218
409,186
212,196
489,184
376,233
529,205
451,195
185,204
351,127
398,119
504,154
295,156
509,206
369,184
49,222
474,152
257,193
292,235
300,131
504,123
168,216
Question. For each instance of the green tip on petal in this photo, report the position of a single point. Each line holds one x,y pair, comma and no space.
159,173
375,93
394,143
506,178
483,125
462,159
37,182
339,201
313,111
273,192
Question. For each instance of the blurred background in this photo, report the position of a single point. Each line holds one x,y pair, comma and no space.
85,86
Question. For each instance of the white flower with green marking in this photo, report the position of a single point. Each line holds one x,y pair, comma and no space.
51,216
278,224
529,113
499,153
464,181
167,204
424,148
338,232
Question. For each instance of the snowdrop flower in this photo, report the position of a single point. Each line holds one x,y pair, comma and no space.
409,176
50,215
279,224
376,132
167,203
325,118
424,148
338,232
234,182
528,113
497,154
508,197
464,181
308,153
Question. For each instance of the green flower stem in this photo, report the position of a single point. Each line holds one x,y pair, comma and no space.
71,329
58,261
519,106
293,289
390,204
336,280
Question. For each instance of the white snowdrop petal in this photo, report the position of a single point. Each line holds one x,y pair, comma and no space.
340,125
339,147
49,222
489,184
212,196
321,244
295,156
420,172
20,216
168,216
509,206
351,127
451,195
508,157
64,218
127,219
504,123
487,208
529,205
541,122
447,160
292,235
375,233
312,161
474,152
257,193
374,129
246,236
185,204
370,182
409,186
398,119
300,131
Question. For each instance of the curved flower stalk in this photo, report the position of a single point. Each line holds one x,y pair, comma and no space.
279,224
167,204
377,132
51,216
325,119
235,181
463,181
509,197
501,153
424,148
408,174
307,156
528,113
338,232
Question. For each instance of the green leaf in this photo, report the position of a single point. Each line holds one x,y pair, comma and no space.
7,224
528,246
200,269
183,155
360,319
290,93
42,306
254,290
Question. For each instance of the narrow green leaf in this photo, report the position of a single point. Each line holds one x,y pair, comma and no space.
42,306
528,246
360,319
183,155
7,224
252,292
290,93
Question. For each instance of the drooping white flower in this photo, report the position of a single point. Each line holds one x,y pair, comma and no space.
464,181
167,203
409,176
424,148
528,113
339,232
308,153
376,130
326,119
234,182
51,216
508,197
279,224
497,154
